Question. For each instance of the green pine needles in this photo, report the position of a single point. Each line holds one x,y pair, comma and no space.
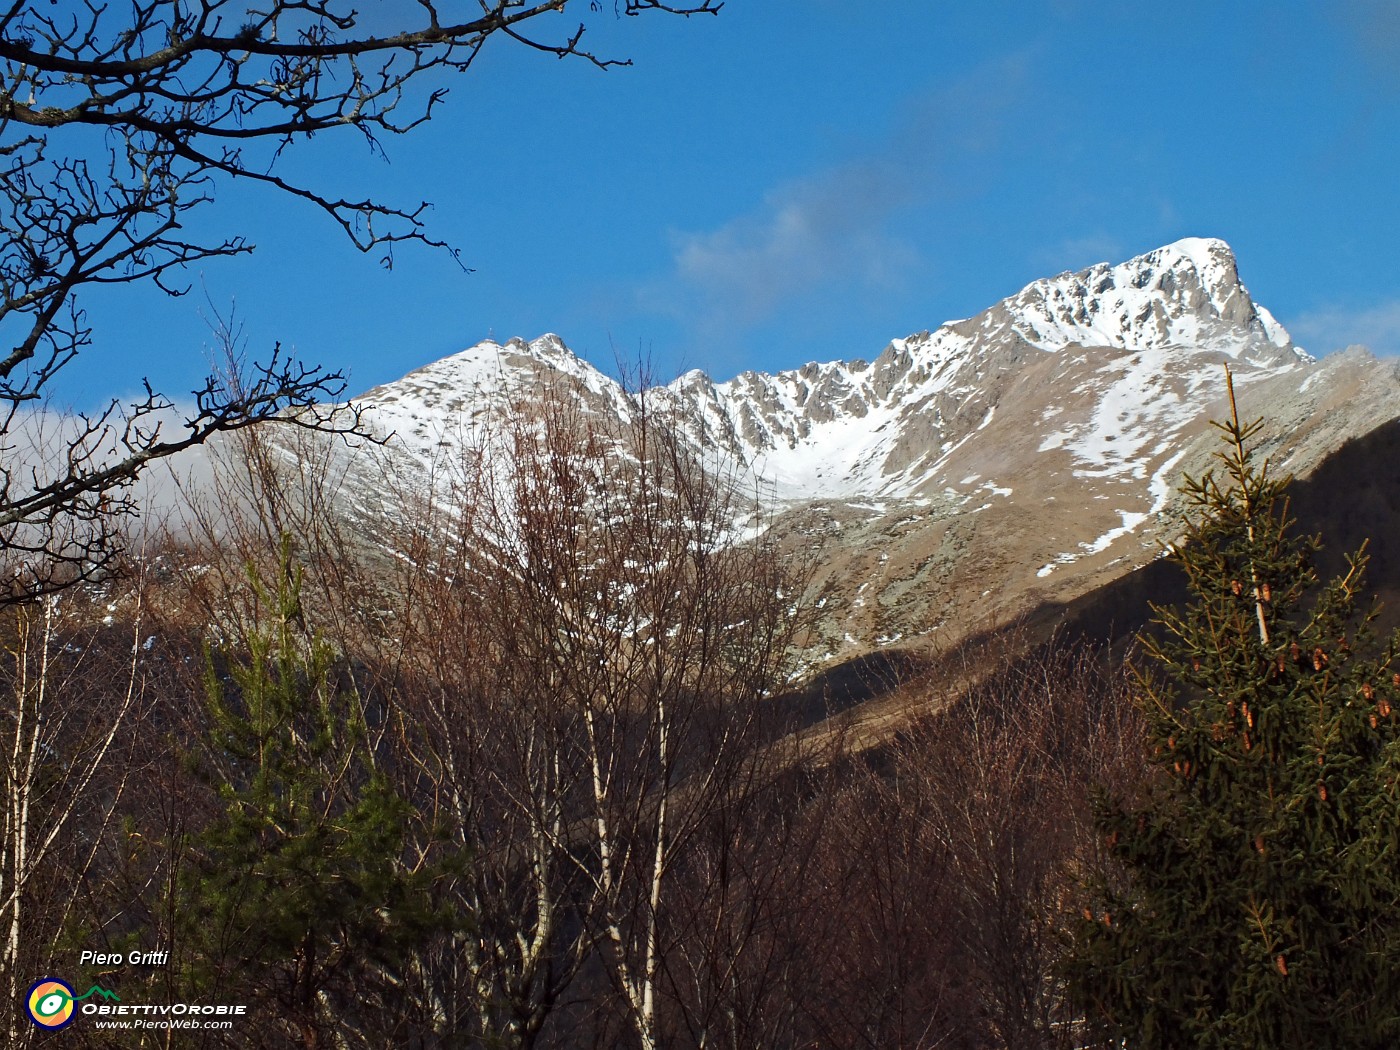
1256,897
300,891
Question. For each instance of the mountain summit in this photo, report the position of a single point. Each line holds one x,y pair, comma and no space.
1185,294
1027,454
1157,323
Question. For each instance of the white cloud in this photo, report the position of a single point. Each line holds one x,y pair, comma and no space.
39,438
1333,327
827,228
836,232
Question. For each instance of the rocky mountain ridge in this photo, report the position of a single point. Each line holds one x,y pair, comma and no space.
1024,455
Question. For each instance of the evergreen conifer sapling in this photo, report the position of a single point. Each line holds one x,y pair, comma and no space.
299,893
1255,898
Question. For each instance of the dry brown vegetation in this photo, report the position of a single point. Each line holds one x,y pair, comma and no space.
573,680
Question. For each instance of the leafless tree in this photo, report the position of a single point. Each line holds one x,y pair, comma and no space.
73,689
1005,777
599,645
666,636
881,972
752,906
118,124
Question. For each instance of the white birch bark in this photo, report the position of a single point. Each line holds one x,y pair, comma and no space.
33,824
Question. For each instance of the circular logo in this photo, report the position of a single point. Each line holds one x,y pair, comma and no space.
50,1003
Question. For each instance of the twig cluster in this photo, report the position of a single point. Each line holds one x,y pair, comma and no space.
118,123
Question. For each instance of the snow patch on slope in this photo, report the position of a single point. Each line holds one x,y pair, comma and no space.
902,426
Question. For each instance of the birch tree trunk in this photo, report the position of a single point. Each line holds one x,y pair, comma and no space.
63,772
600,647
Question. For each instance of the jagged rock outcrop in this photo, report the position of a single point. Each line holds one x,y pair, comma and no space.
1026,455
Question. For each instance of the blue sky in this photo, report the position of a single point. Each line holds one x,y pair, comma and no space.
803,180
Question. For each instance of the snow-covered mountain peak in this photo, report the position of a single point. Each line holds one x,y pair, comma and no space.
1120,355
511,368
1026,453
1185,294
434,406
1142,331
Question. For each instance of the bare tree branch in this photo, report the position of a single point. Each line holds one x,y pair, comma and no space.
118,124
